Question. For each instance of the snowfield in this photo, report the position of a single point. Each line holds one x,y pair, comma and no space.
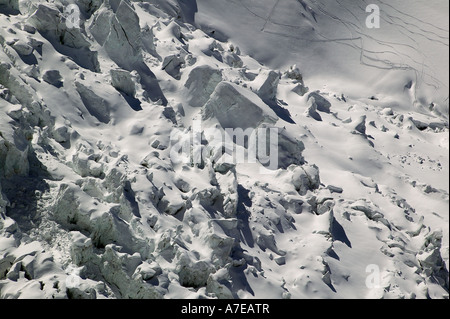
127,130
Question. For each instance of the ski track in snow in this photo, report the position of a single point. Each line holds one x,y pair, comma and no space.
370,58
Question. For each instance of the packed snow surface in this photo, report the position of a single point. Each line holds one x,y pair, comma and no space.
99,99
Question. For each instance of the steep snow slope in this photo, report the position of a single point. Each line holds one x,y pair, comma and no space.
98,202
406,58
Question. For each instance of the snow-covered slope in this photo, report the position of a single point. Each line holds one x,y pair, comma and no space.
406,57
97,202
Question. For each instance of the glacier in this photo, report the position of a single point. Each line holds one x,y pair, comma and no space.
93,206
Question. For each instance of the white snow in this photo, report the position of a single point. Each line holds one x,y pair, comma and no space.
92,204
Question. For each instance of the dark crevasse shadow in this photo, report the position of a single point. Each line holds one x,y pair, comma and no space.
239,281
150,83
23,193
339,234
331,287
279,110
134,103
83,57
131,197
242,235
29,59
188,10
8,11
333,254
243,216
